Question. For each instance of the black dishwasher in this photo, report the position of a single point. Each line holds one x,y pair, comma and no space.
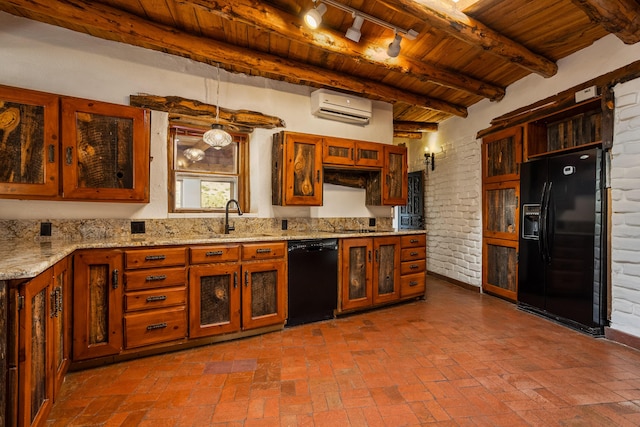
313,280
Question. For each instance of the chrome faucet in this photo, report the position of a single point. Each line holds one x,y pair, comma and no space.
227,227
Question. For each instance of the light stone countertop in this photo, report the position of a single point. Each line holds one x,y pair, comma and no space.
20,259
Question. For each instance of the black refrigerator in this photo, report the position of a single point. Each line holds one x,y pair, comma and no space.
562,239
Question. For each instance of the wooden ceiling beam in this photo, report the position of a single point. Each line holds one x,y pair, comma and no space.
259,14
437,14
133,30
620,17
404,126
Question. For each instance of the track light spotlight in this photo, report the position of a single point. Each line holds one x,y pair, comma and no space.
353,33
313,17
394,46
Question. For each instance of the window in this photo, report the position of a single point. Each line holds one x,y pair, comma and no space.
204,179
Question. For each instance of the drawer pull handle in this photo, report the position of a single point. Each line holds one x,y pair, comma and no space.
154,257
263,250
413,283
156,298
156,278
157,326
414,266
414,253
214,253
414,240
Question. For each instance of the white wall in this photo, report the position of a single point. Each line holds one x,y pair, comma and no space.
51,59
625,194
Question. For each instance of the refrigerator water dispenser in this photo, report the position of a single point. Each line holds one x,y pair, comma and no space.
530,221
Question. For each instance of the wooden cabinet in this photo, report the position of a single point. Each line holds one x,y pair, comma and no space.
413,267
297,170
155,299
369,272
43,339
236,287
58,148
30,145
97,303
348,152
501,158
394,182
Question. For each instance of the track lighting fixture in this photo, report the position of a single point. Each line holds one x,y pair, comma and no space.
353,33
314,16
394,46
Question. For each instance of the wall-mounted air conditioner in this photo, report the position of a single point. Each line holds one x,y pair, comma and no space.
341,107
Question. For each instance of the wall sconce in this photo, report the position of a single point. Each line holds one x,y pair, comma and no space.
313,17
429,158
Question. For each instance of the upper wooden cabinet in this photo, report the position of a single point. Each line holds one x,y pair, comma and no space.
57,148
394,182
502,155
347,152
297,170
29,143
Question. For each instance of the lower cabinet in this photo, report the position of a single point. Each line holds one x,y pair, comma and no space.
370,272
97,303
43,344
236,287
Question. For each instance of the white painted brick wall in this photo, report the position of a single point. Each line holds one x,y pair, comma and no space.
625,207
453,209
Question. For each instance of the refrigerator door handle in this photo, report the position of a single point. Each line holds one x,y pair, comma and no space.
547,235
541,223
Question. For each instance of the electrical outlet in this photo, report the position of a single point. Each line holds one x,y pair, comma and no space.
45,229
372,222
137,227
285,224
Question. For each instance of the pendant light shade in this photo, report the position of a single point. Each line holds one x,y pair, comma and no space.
217,137
193,154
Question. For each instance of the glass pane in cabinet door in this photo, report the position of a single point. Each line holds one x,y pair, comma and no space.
22,142
215,302
105,151
501,267
357,273
38,352
501,210
264,293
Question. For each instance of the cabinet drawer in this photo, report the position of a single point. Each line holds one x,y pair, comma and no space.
155,278
412,285
410,267
409,254
155,298
219,253
164,257
155,326
253,251
413,241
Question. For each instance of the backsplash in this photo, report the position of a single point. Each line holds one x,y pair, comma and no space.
174,227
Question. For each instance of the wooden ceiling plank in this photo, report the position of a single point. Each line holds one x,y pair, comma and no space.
137,31
619,17
404,126
471,31
260,14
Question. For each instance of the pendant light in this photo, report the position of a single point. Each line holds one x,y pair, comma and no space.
193,154
216,137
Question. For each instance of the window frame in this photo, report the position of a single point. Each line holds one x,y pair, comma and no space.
242,139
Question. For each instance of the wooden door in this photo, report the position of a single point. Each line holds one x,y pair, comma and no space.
29,143
502,155
105,151
35,375
394,182
500,267
369,154
356,259
263,294
386,269
97,303
214,299
501,210
303,170
61,318
338,151
411,215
